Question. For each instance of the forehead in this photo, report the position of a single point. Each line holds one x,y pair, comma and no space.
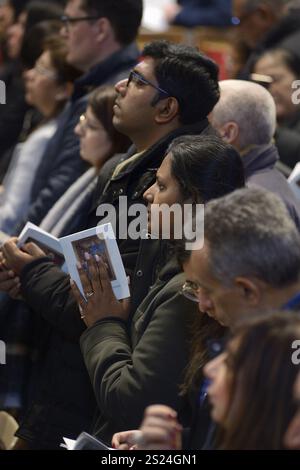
269,62
90,114
146,68
164,171
73,6
197,266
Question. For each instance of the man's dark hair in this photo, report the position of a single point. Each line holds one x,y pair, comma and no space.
188,75
125,16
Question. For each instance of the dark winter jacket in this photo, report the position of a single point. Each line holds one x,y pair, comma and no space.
134,366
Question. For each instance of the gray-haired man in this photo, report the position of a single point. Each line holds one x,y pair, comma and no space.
245,117
250,262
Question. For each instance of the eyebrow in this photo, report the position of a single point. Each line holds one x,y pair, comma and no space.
141,75
198,284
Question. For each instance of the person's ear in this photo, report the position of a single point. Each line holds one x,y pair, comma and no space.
250,290
167,110
103,29
229,132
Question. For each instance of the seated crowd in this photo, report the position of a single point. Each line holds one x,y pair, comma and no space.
202,355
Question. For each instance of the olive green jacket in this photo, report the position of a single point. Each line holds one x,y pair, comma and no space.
131,369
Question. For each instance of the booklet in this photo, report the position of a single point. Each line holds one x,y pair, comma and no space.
47,242
99,241
84,442
70,251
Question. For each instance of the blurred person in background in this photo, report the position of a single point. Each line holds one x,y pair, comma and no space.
48,86
279,69
12,114
9,13
265,24
160,14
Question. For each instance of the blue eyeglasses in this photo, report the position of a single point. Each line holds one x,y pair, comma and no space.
138,79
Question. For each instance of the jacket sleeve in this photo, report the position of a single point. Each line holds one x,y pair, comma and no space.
216,13
127,379
47,291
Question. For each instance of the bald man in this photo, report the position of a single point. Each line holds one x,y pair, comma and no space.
245,117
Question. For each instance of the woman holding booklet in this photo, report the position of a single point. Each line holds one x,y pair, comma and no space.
134,356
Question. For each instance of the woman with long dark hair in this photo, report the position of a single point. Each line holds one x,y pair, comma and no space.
145,358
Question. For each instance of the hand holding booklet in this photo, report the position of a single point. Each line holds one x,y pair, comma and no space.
84,442
71,250
47,242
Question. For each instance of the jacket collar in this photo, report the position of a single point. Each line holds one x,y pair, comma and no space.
158,149
101,72
259,157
